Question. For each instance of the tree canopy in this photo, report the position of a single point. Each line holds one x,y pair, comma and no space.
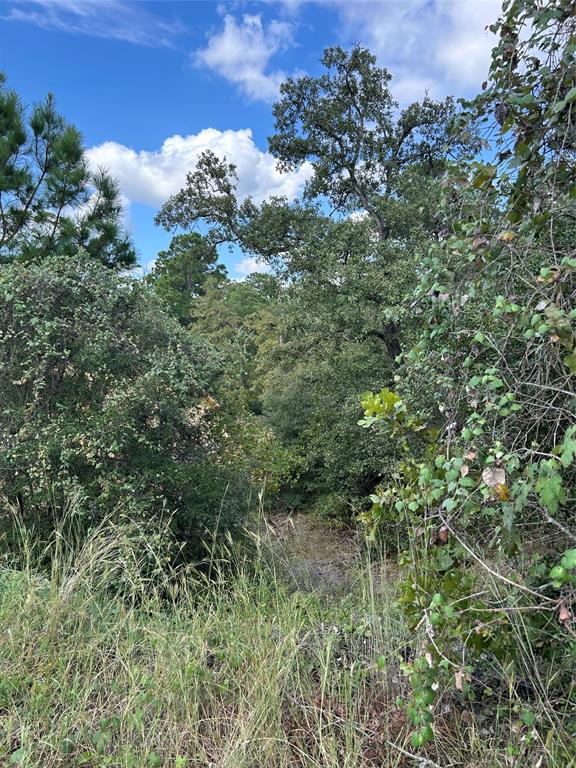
181,273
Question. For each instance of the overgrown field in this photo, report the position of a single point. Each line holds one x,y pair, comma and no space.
100,668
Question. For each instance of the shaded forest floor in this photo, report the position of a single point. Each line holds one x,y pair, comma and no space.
313,556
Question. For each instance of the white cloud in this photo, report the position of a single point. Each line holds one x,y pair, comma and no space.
249,265
141,270
466,51
241,53
150,177
113,19
439,46
434,46
287,7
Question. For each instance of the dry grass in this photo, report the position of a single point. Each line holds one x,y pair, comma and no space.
103,666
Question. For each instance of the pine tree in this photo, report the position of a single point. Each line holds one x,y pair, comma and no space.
180,273
50,201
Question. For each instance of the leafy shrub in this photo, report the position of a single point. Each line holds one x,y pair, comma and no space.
104,399
488,502
333,510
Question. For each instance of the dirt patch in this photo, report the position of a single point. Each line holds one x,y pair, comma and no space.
315,557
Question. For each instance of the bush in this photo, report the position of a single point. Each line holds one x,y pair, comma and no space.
104,400
487,497
332,510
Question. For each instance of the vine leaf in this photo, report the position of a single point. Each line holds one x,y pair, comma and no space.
567,449
494,476
549,486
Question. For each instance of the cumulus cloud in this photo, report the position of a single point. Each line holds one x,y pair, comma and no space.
249,265
113,19
150,177
434,46
440,46
241,52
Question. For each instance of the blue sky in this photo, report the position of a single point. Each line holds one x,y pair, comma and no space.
152,84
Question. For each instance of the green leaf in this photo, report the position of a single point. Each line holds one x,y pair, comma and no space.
484,176
444,559
18,757
570,362
549,486
569,559
567,448
508,516
528,718
558,573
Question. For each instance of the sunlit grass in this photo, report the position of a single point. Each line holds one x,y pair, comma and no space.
102,665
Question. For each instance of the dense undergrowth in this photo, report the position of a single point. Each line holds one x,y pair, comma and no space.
101,666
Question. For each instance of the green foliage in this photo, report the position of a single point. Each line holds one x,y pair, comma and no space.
438,281
338,320
488,505
238,318
364,157
104,400
332,510
49,200
249,446
181,273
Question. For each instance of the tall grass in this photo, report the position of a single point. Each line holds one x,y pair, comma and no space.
112,659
